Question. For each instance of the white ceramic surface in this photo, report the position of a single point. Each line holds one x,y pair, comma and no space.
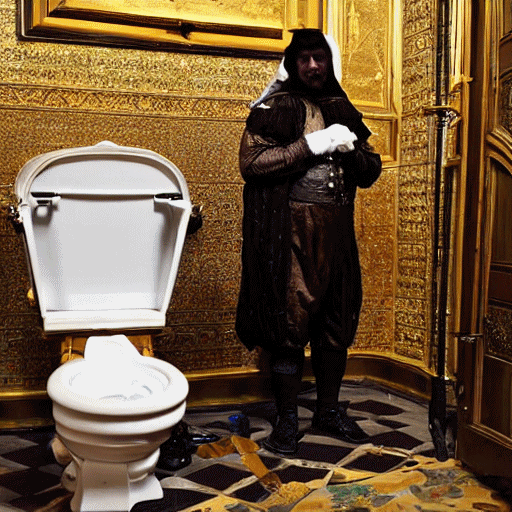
105,227
113,433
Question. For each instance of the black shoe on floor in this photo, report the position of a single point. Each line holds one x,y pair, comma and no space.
337,423
176,452
284,439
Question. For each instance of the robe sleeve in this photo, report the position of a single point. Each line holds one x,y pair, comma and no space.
263,158
273,146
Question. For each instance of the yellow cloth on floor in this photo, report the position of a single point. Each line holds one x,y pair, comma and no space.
429,486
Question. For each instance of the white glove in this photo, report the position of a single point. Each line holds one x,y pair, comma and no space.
335,137
344,138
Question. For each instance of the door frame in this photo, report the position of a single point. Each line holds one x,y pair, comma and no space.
484,450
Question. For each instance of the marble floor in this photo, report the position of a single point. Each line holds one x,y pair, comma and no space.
30,477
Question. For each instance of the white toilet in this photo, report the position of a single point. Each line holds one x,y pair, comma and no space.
104,228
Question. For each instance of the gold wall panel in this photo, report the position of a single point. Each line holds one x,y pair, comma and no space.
191,109
25,358
375,224
498,332
384,137
415,191
366,51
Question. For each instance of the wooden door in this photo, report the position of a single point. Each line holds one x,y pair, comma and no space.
485,352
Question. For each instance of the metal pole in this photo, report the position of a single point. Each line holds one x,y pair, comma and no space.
440,257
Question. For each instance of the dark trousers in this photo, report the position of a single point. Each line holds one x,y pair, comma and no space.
286,368
324,285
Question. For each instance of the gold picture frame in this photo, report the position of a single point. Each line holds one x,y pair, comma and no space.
244,27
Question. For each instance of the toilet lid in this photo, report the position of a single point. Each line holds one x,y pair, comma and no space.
104,228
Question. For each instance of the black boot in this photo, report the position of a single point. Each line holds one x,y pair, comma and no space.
284,438
286,378
329,368
337,423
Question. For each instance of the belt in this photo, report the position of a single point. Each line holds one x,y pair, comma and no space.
323,184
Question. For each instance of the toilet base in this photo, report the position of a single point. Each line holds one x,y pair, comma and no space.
111,487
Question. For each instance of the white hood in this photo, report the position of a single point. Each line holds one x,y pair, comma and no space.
281,74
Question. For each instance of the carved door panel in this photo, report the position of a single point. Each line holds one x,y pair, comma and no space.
485,356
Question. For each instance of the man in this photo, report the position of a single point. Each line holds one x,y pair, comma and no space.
303,154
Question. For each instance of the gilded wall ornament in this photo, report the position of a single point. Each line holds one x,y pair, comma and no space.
191,108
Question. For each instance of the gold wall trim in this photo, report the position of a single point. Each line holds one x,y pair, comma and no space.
115,102
394,372
249,384
72,99
25,409
17,394
241,385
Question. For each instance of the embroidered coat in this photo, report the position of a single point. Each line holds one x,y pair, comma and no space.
273,155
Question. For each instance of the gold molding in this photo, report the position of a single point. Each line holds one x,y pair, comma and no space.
75,99
187,26
242,385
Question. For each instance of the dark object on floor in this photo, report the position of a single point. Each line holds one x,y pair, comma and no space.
176,452
337,423
239,425
437,417
284,439
199,436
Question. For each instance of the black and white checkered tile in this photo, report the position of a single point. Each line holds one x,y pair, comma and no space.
30,476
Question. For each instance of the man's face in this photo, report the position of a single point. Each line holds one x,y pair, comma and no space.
312,66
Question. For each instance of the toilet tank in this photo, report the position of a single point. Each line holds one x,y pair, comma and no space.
104,227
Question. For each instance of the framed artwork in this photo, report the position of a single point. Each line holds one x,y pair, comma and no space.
245,27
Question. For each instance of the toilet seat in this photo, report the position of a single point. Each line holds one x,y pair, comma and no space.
113,409
104,227
111,370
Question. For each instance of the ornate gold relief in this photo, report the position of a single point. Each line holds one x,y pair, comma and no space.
414,203
366,52
498,332
365,33
191,108
384,135
249,26
90,100
375,224
506,103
